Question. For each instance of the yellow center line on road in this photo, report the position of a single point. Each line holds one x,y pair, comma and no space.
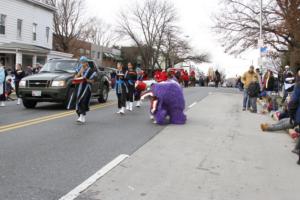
47,118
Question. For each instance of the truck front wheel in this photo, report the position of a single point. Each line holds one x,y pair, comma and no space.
103,96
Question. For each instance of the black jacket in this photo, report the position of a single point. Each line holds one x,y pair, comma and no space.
254,89
19,75
270,84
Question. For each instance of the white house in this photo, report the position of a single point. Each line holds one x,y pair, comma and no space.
25,31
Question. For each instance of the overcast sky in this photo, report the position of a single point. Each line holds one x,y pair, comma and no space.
196,20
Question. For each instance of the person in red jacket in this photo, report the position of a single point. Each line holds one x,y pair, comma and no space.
186,79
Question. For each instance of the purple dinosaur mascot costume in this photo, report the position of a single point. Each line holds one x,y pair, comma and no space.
167,100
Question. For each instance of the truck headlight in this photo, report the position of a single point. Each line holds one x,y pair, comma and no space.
22,84
58,84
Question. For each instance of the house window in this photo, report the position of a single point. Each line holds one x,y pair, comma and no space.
98,55
88,52
2,24
19,28
81,51
47,33
34,26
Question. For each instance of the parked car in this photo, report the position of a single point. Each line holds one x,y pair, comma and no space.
54,83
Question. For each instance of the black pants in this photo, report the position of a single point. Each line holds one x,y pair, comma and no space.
122,96
2,96
137,95
217,84
17,88
130,94
186,84
83,104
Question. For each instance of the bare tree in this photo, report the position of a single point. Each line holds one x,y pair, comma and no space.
67,24
176,49
238,25
100,33
146,25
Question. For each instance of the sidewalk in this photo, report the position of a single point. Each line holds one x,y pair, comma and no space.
220,154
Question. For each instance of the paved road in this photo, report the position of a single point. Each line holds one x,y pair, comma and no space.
47,159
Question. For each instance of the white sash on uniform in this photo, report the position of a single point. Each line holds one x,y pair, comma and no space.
1,89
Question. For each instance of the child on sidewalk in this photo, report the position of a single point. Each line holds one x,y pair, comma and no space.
253,92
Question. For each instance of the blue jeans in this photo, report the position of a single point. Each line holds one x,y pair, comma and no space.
283,124
253,103
246,100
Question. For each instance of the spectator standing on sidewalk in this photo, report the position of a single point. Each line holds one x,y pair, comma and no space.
217,78
289,84
19,74
294,107
37,69
3,75
239,83
193,78
269,82
260,81
246,80
285,72
29,71
253,92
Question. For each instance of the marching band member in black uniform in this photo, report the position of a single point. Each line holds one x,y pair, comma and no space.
83,90
121,88
131,78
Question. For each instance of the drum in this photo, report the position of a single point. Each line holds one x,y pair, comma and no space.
77,81
141,86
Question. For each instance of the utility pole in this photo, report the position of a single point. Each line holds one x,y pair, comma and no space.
260,43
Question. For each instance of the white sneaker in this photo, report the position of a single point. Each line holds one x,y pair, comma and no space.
131,106
122,111
138,104
18,101
81,119
127,105
2,104
119,112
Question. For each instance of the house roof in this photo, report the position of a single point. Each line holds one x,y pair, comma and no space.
43,3
24,47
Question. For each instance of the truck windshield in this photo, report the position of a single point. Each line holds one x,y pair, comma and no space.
60,66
